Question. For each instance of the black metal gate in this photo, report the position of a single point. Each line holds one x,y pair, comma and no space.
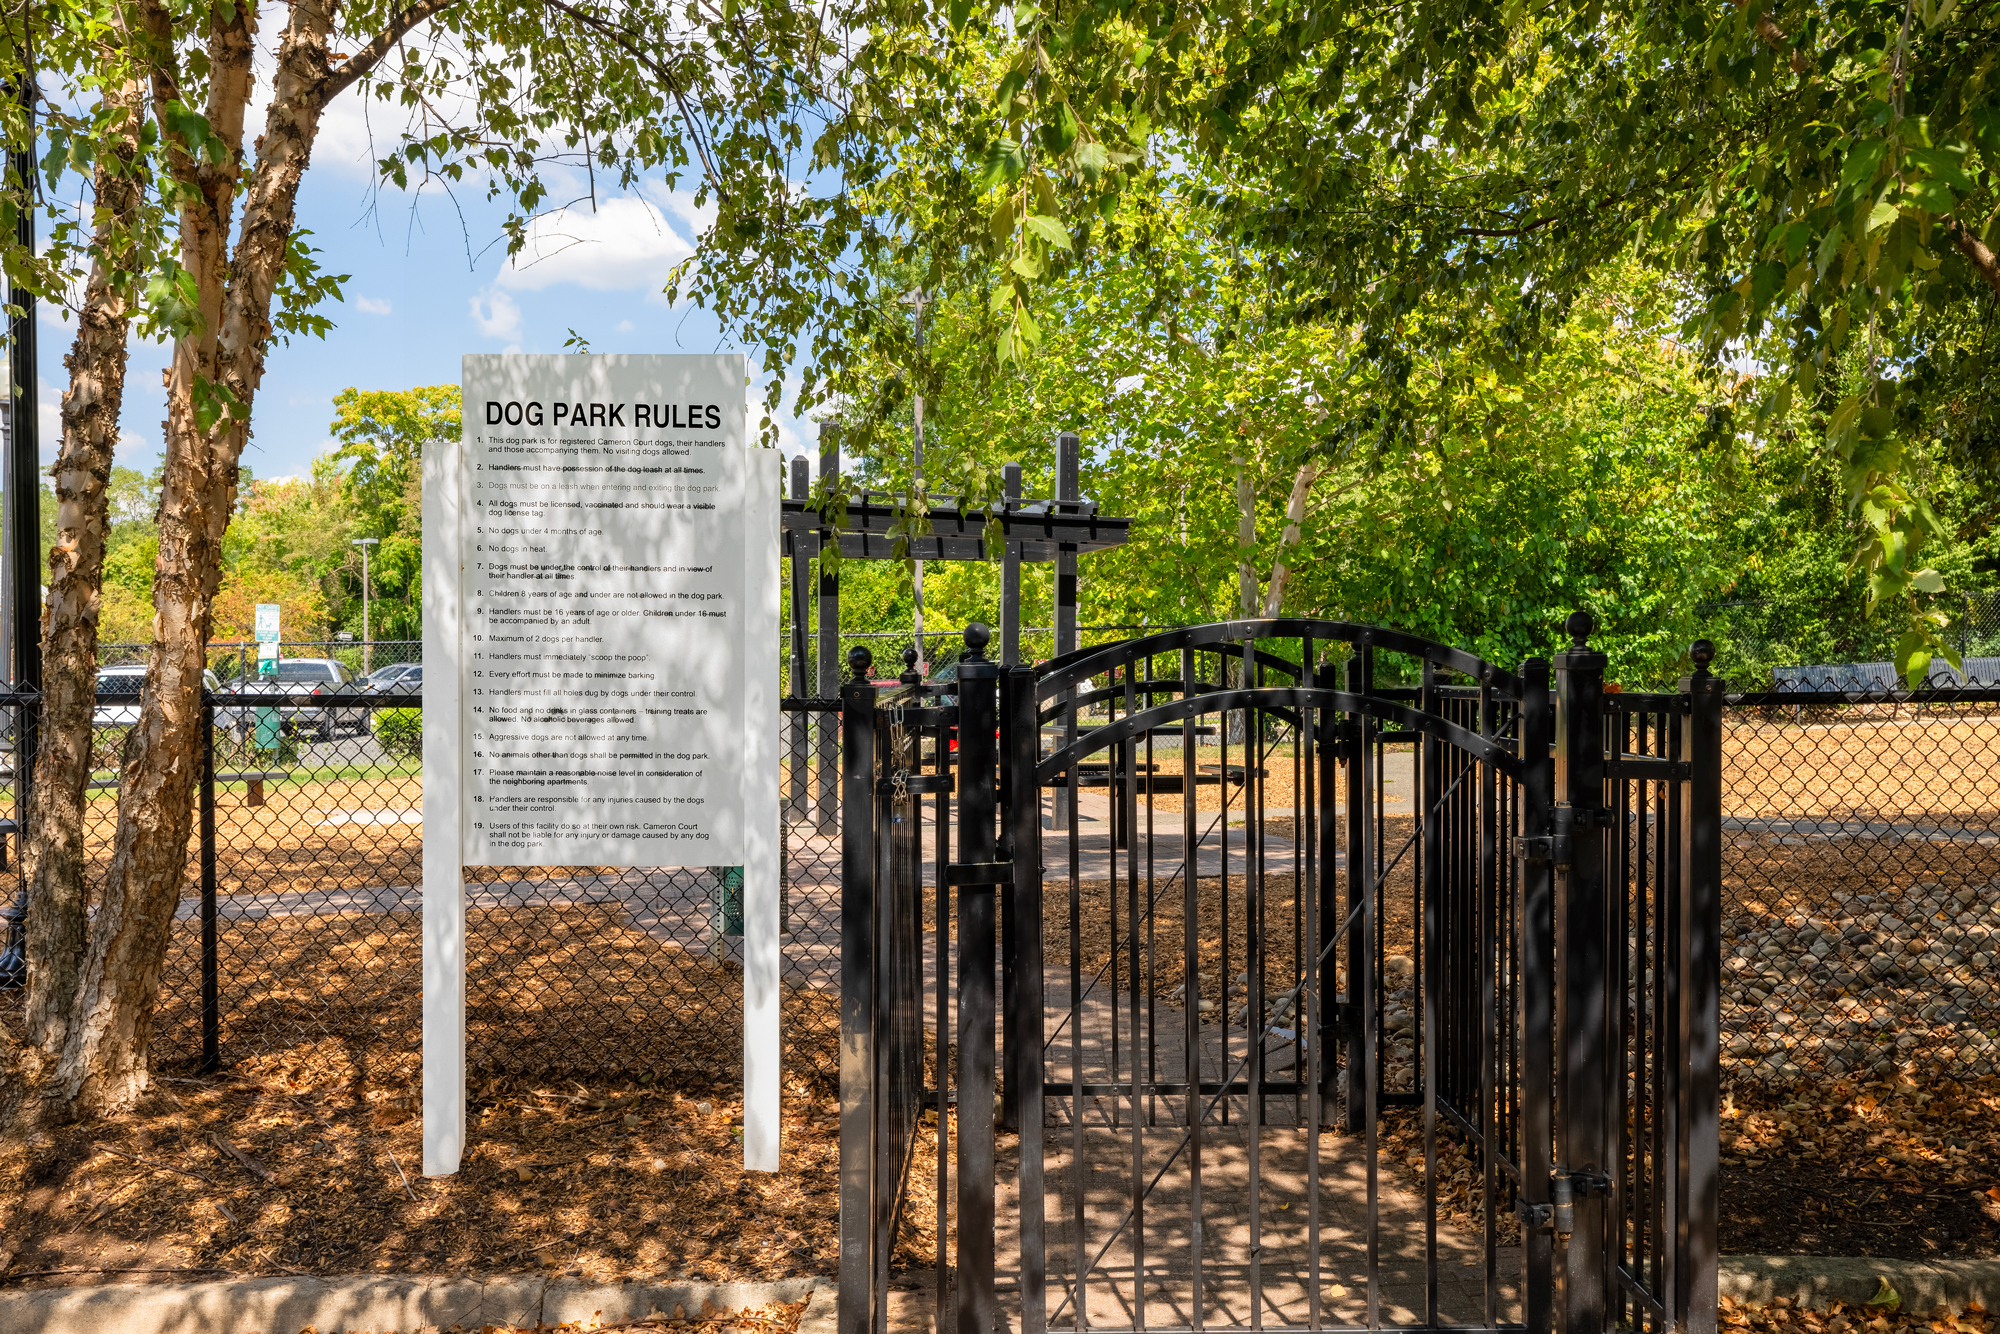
1326,1002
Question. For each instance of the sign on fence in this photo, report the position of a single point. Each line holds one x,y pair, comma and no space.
600,625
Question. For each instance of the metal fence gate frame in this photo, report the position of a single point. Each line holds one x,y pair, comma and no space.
1565,916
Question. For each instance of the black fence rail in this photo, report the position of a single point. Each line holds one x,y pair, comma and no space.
1861,899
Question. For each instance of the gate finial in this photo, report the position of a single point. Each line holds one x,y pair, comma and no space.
977,637
1702,651
911,676
859,660
1578,627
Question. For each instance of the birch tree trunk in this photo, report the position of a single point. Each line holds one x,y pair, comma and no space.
1246,540
58,898
105,1060
1295,516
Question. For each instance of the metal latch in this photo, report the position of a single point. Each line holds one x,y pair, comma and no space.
1553,849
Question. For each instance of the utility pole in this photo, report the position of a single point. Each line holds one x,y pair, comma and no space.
917,301
367,640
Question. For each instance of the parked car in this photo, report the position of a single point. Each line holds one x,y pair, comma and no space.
298,680
398,678
125,682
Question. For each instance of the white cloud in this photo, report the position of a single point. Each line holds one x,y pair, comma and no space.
368,305
694,219
501,318
626,244
626,326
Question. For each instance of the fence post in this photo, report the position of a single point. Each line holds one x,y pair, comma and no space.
1068,482
856,1303
795,545
1537,1002
1701,996
1360,673
1327,754
977,881
829,645
1582,1170
1010,575
1022,747
211,981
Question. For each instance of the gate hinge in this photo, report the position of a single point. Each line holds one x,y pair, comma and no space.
1533,1217
1551,848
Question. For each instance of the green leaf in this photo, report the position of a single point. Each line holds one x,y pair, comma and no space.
1927,581
1914,652
1004,162
1859,168
1879,217
1092,159
1048,229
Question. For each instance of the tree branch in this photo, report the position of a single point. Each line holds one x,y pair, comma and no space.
1775,38
1975,250
368,57
1503,232
631,46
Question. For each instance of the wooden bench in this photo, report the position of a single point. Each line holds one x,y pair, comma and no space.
253,793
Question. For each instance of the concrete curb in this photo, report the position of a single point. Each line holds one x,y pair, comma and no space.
1817,1280
381,1305
384,1305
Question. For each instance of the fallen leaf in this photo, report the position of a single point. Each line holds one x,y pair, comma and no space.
1887,1300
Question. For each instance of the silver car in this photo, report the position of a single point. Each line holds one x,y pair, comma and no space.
297,681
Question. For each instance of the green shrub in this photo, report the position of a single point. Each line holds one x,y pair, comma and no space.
400,732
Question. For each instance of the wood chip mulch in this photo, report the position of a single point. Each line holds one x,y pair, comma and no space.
1882,1315
260,1172
1903,1169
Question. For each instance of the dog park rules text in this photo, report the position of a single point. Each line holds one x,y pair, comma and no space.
607,502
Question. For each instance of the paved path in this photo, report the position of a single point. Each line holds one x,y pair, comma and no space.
1232,1270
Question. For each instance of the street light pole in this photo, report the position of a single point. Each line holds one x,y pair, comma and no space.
367,640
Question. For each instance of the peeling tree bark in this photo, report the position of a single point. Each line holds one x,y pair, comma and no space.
1295,517
57,894
105,1060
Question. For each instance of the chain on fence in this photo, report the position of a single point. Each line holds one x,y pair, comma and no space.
1862,891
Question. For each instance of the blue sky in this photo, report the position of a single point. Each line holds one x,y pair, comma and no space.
430,284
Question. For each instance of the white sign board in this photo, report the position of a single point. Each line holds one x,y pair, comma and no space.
604,639
601,643
267,622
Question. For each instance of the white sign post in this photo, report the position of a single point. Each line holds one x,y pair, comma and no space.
267,638
600,638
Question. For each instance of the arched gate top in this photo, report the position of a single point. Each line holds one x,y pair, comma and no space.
1486,750
1065,672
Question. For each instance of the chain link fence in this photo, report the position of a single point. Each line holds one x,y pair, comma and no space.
1862,897
1862,883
